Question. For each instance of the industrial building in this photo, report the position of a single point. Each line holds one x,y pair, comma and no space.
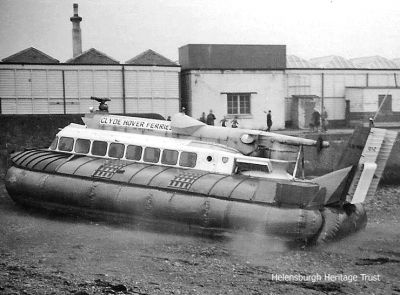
234,81
243,81
66,88
351,90
32,82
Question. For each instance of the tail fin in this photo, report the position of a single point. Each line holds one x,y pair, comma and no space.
370,148
360,168
371,164
352,153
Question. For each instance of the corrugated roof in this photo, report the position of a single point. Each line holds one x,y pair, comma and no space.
150,57
92,56
397,62
374,62
30,55
293,61
332,61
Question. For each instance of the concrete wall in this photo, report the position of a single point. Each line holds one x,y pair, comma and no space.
208,90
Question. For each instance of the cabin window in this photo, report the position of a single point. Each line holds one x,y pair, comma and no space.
53,145
82,146
169,157
133,152
151,155
116,150
188,159
99,148
243,167
66,144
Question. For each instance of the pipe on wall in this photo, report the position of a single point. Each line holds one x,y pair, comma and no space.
322,91
123,90
63,84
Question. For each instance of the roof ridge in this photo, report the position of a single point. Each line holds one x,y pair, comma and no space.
31,48
147,52
91,50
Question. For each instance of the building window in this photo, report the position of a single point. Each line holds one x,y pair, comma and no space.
238,103
387,103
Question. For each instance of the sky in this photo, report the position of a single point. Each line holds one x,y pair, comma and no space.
123,29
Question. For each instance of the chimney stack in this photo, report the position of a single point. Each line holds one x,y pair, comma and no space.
76,32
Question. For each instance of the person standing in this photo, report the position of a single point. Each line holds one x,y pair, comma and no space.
324,119
316,120
223,122
210,118
371,122
235,123
269,120
203,117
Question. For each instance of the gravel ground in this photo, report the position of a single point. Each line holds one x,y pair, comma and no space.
42,253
